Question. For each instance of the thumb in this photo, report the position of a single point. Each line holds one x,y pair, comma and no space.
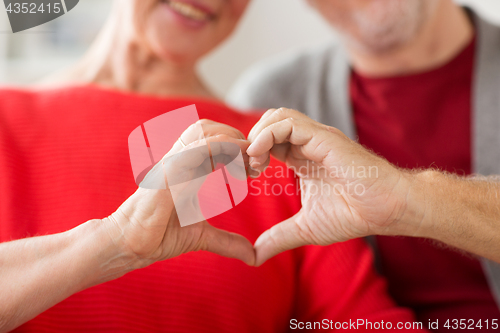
284,236
228,244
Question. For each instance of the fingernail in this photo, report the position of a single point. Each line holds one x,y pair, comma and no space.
249,147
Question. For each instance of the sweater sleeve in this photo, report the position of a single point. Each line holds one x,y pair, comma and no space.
340,289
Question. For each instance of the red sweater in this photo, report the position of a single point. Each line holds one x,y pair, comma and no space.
64,160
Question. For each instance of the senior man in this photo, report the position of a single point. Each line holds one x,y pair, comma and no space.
417,82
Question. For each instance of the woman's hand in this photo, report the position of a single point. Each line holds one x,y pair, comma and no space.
38,272
146,225
347,192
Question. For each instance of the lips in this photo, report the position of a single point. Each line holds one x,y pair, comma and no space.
190,10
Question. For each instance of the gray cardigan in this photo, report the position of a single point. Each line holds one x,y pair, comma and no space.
316,82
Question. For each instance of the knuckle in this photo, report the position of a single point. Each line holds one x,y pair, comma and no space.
231,131
192,127
281,112
292,112
239,134
333,130
224,137
204,121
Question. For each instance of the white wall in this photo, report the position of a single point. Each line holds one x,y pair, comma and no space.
269,27
3,41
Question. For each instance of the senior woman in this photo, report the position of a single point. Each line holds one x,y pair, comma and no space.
90,266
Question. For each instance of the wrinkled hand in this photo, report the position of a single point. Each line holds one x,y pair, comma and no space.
347,192
146,226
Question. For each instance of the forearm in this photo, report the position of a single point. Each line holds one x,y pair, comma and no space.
463,212
37,273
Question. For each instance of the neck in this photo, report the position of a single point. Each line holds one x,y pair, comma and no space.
443,36
118,60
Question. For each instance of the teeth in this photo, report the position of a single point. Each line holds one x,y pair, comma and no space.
188,10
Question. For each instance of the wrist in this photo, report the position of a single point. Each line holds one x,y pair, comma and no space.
415,196
103,253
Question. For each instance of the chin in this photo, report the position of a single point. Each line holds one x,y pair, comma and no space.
177,45
384,26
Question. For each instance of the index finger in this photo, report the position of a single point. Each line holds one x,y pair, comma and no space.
273,116
307,135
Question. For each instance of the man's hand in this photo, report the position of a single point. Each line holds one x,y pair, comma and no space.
347,192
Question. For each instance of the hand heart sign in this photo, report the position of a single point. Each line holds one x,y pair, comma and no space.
28,14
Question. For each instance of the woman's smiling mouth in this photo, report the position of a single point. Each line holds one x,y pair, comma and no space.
190,10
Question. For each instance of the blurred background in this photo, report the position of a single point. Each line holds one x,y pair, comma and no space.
269,27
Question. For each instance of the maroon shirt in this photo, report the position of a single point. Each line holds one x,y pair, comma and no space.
422,121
